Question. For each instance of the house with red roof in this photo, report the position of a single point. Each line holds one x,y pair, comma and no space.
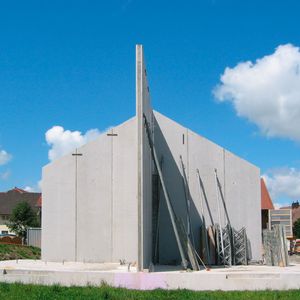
266,204
9,200
271,216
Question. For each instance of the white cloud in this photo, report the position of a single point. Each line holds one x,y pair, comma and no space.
266,92
29,189
36,188
283,183
64,141
4,157
279,205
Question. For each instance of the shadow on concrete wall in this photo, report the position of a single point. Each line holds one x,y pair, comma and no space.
203,191
168,250
178,190
223,200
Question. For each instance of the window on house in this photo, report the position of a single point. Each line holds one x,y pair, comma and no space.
4,232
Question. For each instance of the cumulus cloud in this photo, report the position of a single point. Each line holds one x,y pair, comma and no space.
29,189
280,205
4,157
63,141
266,92
36,188
284,183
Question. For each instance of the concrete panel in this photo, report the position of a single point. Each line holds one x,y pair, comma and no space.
239,182
171,142
90,200
125,217
58,210
94,201
240,186
242,194
206,157
98,207
145,166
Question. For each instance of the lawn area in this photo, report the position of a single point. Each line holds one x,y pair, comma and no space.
20,291
19,252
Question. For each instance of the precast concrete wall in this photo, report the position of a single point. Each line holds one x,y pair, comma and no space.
169,145
58,210
100,204
125,215
94,200
205,156
144,159
242,195
239,182
90,201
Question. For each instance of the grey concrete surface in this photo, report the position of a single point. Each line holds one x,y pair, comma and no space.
242,196
82,274
125,225
89,201
94,218
145,165
239,180
97,207
58,210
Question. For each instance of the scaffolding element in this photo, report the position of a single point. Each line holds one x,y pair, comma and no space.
155,218
223,237
234,242
188,246
187,201
204,233
239,246
219,231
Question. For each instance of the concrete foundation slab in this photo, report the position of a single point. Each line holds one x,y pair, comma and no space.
167,277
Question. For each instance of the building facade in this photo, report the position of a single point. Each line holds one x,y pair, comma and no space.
104,202
10,199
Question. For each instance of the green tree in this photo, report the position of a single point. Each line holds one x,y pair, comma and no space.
296,229
21,218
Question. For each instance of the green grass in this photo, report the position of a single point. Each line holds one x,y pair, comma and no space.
32,292
19,252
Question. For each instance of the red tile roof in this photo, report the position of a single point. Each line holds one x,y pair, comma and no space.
9,199
266,201
18,190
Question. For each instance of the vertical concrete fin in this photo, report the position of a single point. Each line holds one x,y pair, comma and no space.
143,107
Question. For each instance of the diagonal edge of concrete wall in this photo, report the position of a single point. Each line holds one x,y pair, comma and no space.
143,108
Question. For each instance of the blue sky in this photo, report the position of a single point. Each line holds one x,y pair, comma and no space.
71,64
